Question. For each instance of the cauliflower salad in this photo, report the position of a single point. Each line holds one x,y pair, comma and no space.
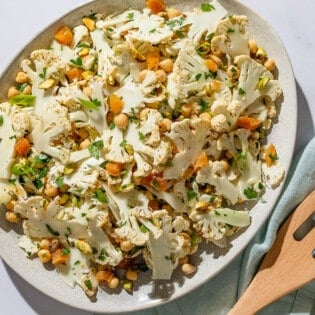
133,138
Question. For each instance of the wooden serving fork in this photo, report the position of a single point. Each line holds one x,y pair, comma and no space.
288,265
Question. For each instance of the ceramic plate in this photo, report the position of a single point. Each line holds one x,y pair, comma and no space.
210,260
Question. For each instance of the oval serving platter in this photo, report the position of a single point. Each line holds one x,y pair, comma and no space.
210,260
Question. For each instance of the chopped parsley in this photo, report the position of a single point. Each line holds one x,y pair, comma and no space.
230,30
203,105
88,284
102,255
95,149
261,185
130,16
210,36
153,30
207,7
94,104
77,62
51,231
210,74
241,91
175,22
100,195
250,193
20,87
77,262
198,76
42,75
111,125
83,45
233,69
144,229
59,181
1,120
141,135
273,157
110,29
179,34
65,251
191,194
123,143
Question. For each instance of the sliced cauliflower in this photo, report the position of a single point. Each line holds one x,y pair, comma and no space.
189,74
230,36
189,136
53,125
248,91
145,26
7,143
48,65
214,224
204,21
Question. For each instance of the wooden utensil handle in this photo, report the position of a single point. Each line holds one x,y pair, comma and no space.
287,266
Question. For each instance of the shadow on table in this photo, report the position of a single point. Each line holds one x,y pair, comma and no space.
305,124
39,302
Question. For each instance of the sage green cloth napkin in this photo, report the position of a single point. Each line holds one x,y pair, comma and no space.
218,295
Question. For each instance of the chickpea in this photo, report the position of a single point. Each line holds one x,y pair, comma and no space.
87,91
126,246
83,133
216,59
85,144
22,77
27,90
113,283
186,110
253,47
233,72
44,243
10,205
12,92
142,75
165,124
225,165
50,190
121,121
172,13
167,65
205,116
270,64
131,275
188,269
11,217
183,260
161,75
44,255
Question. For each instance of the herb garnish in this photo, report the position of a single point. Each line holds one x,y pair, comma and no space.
250,193
95,149
207,7
94,104
22,100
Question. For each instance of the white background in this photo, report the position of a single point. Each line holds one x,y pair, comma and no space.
21,20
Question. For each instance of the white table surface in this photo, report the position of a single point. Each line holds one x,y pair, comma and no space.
21,20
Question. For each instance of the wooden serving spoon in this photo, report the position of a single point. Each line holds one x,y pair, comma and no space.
288,265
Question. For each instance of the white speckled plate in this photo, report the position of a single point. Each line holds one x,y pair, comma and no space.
209,259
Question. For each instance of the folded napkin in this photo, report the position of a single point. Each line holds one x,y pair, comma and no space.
219,294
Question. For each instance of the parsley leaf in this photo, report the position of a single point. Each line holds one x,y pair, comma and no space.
111,126
1,120
250,193
94,104
207,7
88,284
191,194
230,30
59,181
198,76
78,62
141,135
51,231
153,30
95,149
43,74
130,16
241,91
100,195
